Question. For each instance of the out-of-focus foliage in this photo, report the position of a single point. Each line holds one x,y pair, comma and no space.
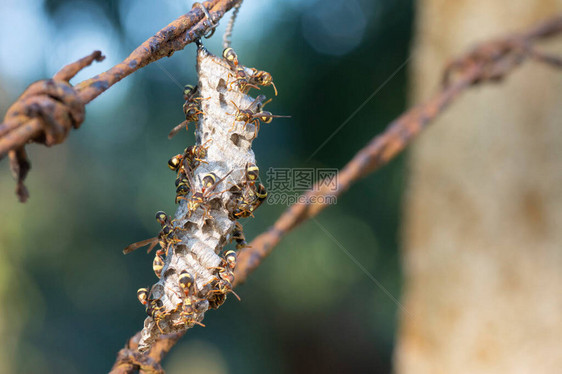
69,293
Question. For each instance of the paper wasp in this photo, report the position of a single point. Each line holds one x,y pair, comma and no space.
261,194
224,286
209,180
262,78
187,313
158,265
199,198
195,154
189,159
156,311
226,268
182,186
230,258
247,115
256,78
192,154
231,57
254,114
242,78
251,198
154,307
187,283
217,300
165,237
175,162
142,295
252,172
238,235
191,108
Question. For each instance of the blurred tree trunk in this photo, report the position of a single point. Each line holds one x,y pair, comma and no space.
483,213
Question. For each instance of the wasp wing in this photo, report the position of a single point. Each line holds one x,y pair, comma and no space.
131,247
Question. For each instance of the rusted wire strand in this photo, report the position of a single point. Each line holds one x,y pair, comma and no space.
489,62
226,42
48,109
130,360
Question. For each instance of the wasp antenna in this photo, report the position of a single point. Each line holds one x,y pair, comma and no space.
235,294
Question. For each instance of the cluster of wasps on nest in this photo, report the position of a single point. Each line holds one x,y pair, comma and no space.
217,183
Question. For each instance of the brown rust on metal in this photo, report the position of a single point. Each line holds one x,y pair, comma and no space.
174,37
379,151
44,113
19,164
488,62
48,109
130,360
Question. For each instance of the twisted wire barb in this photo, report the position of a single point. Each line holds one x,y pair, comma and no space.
45,112
48,109
488,62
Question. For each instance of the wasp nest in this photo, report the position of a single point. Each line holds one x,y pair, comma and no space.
216,185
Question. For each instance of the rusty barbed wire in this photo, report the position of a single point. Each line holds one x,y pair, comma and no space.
44,113
130,360
488,62
48,109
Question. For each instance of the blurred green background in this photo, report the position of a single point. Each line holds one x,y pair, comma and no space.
69,294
